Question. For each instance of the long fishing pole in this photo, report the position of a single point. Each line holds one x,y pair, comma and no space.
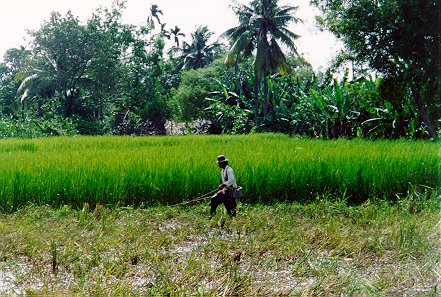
200,198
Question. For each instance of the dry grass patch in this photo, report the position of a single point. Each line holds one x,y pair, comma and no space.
321,248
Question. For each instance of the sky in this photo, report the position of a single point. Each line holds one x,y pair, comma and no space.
17,16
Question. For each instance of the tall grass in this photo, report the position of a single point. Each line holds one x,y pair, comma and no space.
166,170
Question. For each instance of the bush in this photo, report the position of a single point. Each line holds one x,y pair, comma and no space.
31,128
131,124
196,85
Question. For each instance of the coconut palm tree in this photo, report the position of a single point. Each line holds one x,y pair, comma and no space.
262,27
175,33
199,52
164,32
154,13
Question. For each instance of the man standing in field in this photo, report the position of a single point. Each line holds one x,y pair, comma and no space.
226,189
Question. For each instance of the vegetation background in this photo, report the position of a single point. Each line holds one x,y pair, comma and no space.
102,76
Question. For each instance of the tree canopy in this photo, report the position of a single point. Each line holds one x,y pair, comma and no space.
398,38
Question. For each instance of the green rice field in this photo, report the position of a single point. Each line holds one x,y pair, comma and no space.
146,171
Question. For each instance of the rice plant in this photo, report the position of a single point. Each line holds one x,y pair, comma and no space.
147,171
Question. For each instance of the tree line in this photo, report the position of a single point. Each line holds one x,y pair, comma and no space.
106,77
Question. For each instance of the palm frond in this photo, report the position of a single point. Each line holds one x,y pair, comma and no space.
284,19
278,60
287,10
23,89
242,8
257,18
228,33
240,46
286,37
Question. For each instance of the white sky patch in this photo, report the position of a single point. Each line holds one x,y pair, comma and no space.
16,16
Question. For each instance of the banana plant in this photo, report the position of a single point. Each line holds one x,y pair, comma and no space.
335,109
232,112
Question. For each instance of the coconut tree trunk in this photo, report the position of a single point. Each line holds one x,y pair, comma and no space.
422,111
68,104
236,74
265,93
256,98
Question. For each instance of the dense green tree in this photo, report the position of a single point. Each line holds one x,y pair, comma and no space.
88,73
262,27
144,94
196,85
7,90
96,70
9,80
14,58
57,63
398,38
78,63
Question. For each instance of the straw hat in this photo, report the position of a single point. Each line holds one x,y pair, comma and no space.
221,159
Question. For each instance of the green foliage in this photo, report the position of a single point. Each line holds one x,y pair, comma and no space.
301,104
144,94
45,121
102,76
14,59
94,70
354,109
167,170
32,128
400,40
284,93
76,64
195,87
13,128
229,113
338,109
75,61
